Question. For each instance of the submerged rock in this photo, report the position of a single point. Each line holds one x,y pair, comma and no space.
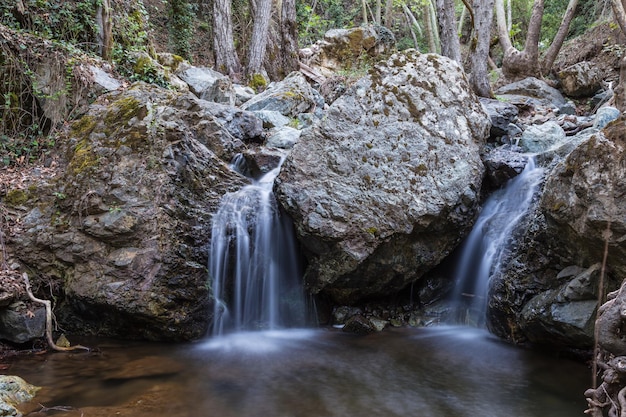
14,391
385,186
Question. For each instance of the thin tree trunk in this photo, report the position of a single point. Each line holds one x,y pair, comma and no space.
105,29
450,45
226,59
479,55
388,12
431,26
413,24
503,32
509,15
289,36
258,42
559,38
462,21
378,16
619,10
531,46
364,5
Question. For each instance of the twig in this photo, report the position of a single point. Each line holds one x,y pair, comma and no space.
48,306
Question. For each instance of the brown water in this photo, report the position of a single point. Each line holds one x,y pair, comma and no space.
429,372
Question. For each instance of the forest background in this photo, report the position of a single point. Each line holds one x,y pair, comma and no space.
257,41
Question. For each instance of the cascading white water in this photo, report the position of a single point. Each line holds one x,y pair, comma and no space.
482,250
254,268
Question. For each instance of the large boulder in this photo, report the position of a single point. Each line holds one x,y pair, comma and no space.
535,296
385,186
289,97
346,49
582,79
122,236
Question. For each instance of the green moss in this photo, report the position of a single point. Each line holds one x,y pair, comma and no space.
123,110
83,127
16,197
83,157
372,230
143,65
257,82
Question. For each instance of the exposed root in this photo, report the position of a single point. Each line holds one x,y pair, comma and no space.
48,306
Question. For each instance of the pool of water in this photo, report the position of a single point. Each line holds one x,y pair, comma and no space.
427,372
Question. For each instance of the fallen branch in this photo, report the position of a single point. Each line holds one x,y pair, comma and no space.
48,306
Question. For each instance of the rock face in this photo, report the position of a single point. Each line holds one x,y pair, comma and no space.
348,48
124,232
582,79
386,185
548,290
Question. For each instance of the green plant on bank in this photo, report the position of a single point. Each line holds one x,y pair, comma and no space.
181,15
69,21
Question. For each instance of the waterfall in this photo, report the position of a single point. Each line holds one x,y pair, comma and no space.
254,266
482,250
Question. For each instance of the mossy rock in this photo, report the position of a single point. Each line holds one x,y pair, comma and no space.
16,197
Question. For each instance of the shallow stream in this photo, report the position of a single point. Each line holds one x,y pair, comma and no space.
426,372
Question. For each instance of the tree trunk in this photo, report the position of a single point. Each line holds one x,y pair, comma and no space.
503,32
518,64
289,36
364,5
450,45
388,13
226,59
619,10
413,24
430,28
479,49
258,42
105,30
559,38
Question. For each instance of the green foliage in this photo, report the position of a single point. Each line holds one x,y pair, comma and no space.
587,12
328,14
65,21
181,14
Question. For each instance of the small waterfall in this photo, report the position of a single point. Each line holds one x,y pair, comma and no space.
482,250
254,267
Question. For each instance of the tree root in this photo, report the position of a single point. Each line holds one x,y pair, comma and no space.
48,306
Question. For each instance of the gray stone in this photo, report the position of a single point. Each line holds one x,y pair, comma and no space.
534,88
242,94
604,116
284,138
221,91
582,79
386,185
539,138
504,163
501,114
199,79
346,48
272,118
360,325
22,325
290,97
104,79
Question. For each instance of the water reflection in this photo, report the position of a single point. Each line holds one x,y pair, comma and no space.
432,372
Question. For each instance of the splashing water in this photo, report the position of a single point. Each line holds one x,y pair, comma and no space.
483,249
253,264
